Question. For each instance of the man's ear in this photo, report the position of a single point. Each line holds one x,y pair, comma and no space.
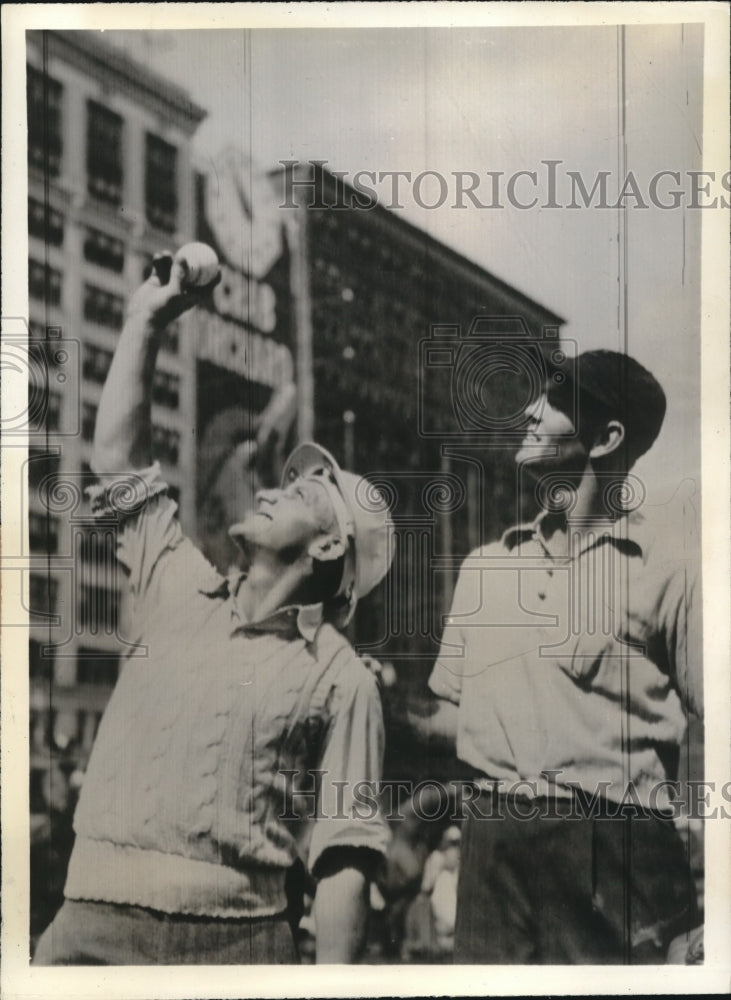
326,547
608,440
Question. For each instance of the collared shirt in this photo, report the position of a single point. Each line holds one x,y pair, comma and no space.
199,770
576,669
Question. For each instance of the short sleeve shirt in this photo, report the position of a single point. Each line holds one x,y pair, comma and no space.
576,670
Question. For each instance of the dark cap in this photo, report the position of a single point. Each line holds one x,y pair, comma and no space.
608,385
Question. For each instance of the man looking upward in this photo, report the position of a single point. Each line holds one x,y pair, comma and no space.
182,853
568,664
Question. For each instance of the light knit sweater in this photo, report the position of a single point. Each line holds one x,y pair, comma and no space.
182,804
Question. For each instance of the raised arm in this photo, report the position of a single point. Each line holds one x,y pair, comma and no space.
123,437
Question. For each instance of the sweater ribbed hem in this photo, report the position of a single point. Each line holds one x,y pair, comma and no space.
112,873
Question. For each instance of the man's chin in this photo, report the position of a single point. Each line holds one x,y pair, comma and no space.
243,532
532,458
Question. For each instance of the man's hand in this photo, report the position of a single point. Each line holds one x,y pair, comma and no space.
164,296
122,437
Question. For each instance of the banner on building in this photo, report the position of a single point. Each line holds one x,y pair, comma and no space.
245,404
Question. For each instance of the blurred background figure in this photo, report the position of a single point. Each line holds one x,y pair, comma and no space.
430,918
444,893
51,840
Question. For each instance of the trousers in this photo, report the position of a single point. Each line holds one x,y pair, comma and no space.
557,890
91,933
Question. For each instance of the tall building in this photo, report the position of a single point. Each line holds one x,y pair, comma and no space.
110,183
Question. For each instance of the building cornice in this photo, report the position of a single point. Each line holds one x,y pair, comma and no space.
87,52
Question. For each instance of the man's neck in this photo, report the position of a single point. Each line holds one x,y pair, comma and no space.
590,510
269,585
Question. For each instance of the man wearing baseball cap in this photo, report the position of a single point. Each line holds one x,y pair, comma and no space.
242,710
569,662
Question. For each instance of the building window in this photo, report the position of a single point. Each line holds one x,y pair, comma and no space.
166,444
41,464
161,201
45,223
44,409
94,667
166,389
40,667
97,609
103,307
43,591
96,363
42,532
44,355
39,735
104,153
45,145
44,282
88,421
170,338
103,250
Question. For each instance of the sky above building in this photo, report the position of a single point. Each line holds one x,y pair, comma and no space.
488,103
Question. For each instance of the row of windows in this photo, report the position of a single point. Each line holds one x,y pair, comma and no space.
44,282
166,389
45,223
97,608
43,595
166,444
44,409
45,346
103,307
41,464
97,360
93,666
65,731
45,143
100,306
95,365
97,546
103,250
104,151
42,532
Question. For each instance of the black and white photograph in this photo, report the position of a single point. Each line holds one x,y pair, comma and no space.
365,464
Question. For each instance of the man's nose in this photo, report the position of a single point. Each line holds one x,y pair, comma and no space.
532,411
268,496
